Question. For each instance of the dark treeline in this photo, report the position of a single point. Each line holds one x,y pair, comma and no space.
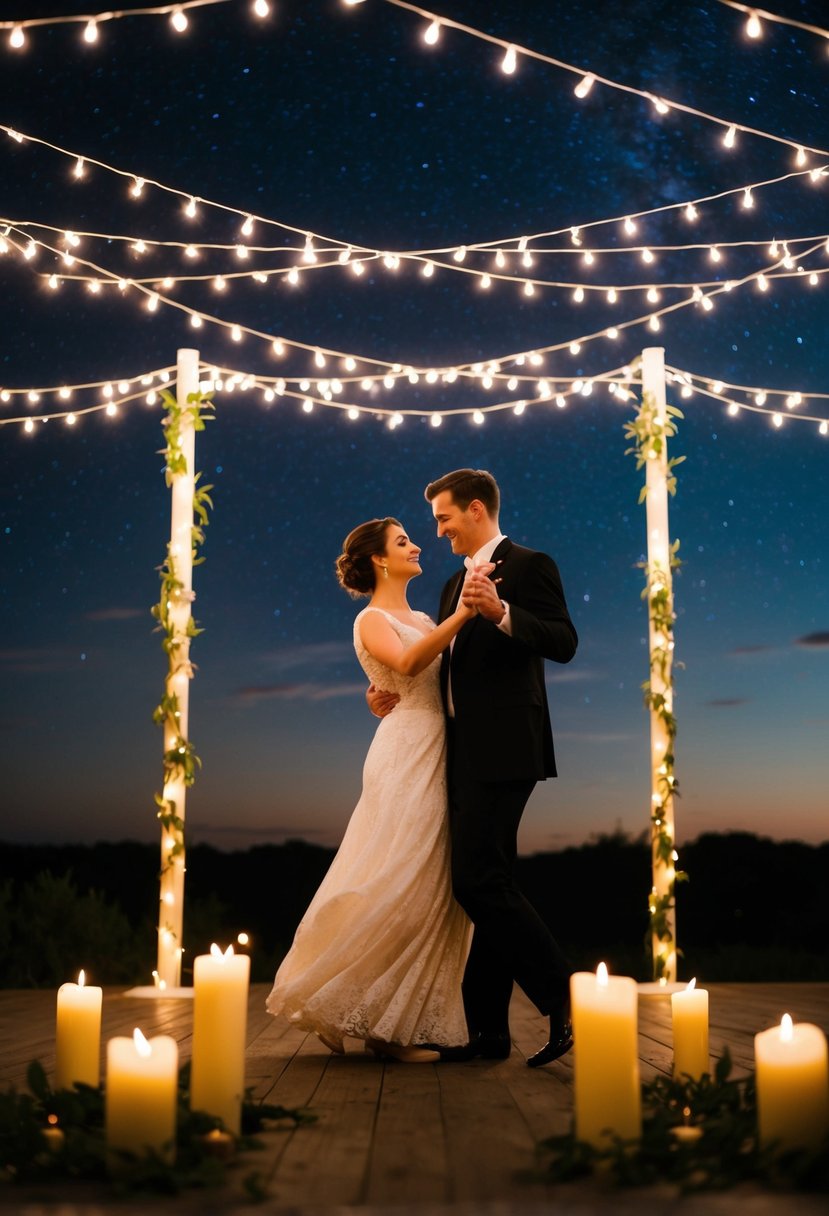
754,909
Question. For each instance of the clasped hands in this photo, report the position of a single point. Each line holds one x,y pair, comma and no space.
480,593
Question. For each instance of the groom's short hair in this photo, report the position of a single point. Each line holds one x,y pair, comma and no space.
466,485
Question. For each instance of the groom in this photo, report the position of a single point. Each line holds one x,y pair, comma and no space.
500,743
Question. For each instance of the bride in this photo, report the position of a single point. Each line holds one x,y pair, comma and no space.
380,952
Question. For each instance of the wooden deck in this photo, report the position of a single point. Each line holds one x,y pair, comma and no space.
434,1139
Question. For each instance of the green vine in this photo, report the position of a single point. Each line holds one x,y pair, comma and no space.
650,435
180,761
77,1115
725,1153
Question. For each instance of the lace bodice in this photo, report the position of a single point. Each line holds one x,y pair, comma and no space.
416,692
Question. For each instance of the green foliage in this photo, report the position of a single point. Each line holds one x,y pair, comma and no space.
180,760
54,930
79,1114
650,435
726,1154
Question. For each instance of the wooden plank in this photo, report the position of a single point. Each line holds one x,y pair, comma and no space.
408,1162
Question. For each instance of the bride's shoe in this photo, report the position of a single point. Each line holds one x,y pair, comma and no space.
406,1055
337,1048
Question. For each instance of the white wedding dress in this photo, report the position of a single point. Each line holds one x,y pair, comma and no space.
381,951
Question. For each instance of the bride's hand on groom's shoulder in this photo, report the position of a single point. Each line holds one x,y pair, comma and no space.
379,702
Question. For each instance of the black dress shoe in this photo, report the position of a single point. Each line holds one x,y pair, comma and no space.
561,1040
479,1047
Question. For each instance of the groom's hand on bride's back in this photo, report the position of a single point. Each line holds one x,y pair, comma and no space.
379,702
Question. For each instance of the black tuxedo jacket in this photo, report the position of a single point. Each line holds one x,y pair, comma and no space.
502,721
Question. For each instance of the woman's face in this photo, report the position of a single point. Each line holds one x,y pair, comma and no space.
401,556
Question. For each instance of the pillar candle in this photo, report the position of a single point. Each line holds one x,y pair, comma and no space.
141,1087
792,1084
220,1011
606,1068
689,1011
78,1035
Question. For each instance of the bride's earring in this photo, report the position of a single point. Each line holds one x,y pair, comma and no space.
385,572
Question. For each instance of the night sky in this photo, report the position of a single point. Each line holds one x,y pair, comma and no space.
340,122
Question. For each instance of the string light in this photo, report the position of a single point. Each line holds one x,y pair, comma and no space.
584,85
432,33
508,63
178,20
754,27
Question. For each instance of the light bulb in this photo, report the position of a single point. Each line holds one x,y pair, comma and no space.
647,256
754,28
611,296
432,33
729,137
508,63
777,419
485,282
190,208
178,20
574,348
261,8
529,288
428,270
78,171
195,320
659,105
733,409
236,333
585,85
578,295
654,324
748,198
760,398
435,420
714,254
691,212
630,226
478,417
801,158
90,33
17,38
136,188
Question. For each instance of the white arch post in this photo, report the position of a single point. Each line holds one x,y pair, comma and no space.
660,699
180,565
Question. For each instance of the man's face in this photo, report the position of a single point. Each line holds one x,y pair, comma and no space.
458,526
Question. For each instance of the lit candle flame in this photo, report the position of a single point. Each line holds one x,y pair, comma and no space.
81,978
141,1044
692,985
601,975
216,953
786,1029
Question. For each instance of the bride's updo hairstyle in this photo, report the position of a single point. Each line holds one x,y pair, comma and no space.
355,569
